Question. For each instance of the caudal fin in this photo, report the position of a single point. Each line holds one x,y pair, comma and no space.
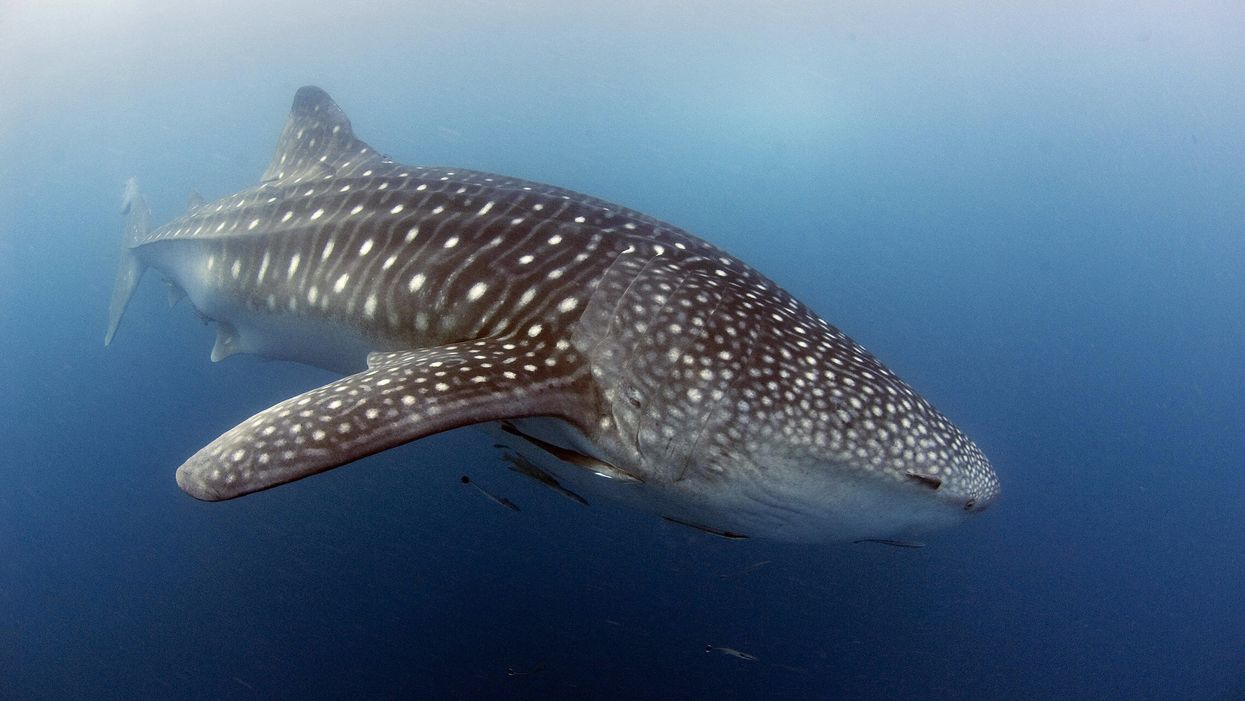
130,270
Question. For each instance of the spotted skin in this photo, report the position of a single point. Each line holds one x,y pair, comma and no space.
476,298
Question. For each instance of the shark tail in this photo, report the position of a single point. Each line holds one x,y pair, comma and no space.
130,270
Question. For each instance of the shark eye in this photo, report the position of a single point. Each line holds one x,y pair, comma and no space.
968,505
633,396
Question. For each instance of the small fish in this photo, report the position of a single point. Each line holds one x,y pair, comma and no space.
496,499
576,458
747,570
892,543
527,468
512,672
730,651
721,533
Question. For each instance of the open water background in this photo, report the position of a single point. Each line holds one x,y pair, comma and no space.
1033,212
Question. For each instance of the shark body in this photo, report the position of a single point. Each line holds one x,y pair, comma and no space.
619,353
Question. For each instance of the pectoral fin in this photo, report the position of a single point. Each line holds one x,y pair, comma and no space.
175,293
399,398
227,342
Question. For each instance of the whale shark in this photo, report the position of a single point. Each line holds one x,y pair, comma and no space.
617,355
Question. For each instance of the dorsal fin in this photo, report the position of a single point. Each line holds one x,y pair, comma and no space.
318,141
194,201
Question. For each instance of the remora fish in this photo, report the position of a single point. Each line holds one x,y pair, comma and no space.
495,498
620,344
891,542
731,652
527,468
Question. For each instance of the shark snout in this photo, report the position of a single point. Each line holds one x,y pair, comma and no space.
984,493
194,480
978,486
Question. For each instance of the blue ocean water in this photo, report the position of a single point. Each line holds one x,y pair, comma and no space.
1033,212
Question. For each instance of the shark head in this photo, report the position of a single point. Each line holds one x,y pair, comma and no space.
722,386
605,343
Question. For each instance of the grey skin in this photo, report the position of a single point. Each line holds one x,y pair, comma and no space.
624,356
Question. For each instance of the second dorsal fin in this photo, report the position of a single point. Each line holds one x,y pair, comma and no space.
194,201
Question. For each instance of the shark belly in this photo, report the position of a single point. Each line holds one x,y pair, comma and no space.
255,321
848,506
